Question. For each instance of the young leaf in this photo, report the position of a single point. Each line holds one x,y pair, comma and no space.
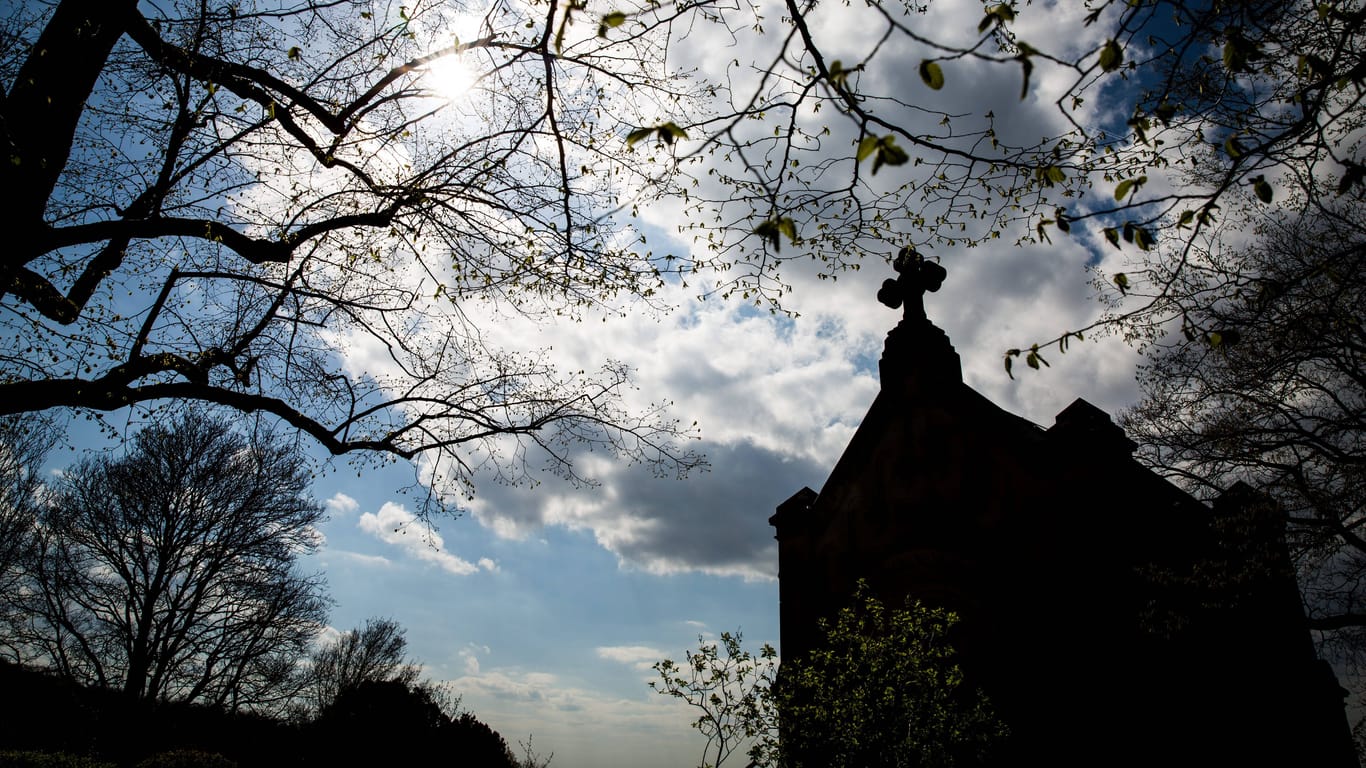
1262,188
1112,235
611,21
1010,355
866,147
1122,282
888,153
1111,56
294,53
1129,186
1143,238
638,135
932,74
670,131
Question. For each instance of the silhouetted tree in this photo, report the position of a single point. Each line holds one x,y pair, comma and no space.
24,441
1268,386
170,572
376,652
388,722
266,187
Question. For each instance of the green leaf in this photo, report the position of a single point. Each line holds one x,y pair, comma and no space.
839,76
1232,148
611,21
1111,56
866,147
931,74
1112,235
1128,187
1010,355
774,229
1186,218
638,135
1143,238
1121,282
888,153
294,53
670,131
1262,188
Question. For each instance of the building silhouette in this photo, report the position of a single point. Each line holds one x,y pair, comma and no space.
1110,617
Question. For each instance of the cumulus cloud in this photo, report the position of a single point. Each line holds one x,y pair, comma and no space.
715,522
777,399
571,720
340,504
395,525
639,657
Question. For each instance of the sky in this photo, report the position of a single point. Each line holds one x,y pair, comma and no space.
544,607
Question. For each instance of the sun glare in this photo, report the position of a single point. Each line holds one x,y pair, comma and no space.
449,78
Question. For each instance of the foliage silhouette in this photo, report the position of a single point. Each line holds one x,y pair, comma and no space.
375,652
169,573
1266,387
268,207
881,689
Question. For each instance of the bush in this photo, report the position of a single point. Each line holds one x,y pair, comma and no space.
187,758
15,759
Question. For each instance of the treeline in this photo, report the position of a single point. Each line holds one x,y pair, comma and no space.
44,716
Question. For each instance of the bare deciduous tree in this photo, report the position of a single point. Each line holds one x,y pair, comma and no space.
24,442
376,652
171,572
276,207
1268,386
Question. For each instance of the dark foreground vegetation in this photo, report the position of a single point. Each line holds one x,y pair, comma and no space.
48,721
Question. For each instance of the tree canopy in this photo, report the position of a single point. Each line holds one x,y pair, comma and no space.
268,206
170,573
376,652
294,207
1268,386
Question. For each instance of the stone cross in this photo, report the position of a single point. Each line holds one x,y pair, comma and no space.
916,276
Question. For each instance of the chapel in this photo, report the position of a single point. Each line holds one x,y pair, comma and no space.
1110,617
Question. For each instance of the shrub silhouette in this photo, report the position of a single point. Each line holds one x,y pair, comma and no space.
187,758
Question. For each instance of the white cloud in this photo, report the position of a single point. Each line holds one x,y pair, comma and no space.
777,400
340,504
395,525
359,558
639,657
571,721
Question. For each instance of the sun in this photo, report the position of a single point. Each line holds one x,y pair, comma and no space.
449,78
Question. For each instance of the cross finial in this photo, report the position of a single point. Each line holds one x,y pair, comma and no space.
916,276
